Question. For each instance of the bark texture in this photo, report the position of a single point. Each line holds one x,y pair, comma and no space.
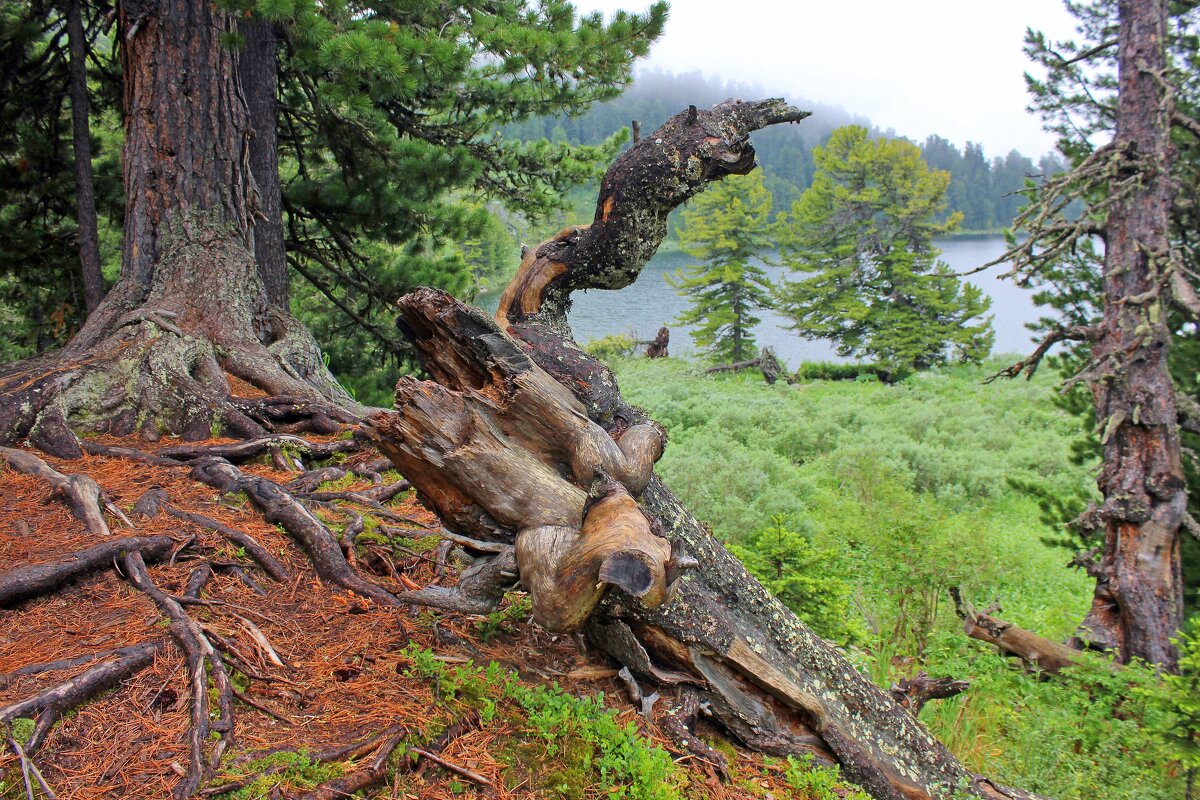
258,71
521,437
1138,603
85,188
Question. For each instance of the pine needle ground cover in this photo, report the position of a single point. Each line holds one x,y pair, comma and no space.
326,682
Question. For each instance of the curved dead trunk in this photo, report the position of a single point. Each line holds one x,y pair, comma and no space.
523,438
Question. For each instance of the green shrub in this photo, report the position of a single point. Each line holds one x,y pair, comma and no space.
803,577
617,345
901,491
831,371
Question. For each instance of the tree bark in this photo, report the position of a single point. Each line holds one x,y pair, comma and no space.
190,307
521,437
1138,602
85,190
258,70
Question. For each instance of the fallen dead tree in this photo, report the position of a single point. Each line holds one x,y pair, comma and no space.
766,362
522,438
1036,651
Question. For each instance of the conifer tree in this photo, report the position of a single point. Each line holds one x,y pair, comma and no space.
1123,99
862,235
727,228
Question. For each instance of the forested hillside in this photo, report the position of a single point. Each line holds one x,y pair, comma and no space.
983,186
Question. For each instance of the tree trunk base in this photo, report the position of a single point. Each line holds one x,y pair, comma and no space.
164,366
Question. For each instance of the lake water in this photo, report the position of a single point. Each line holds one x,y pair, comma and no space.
640,309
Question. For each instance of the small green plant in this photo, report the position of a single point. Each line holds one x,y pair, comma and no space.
804,577
819,783
517,610
1179,697
606,348
294,769
830,371
22,730
577,742
339,485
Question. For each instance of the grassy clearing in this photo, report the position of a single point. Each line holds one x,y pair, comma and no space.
893,494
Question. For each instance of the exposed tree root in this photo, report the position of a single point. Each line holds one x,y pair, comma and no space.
80,492
66,663
155,359
678,721
241,452
480,587
198,651
310,480
23,583
30,773
155,500
51,704
277,506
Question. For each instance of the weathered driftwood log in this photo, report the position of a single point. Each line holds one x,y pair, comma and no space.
1036,651
766,362
520,427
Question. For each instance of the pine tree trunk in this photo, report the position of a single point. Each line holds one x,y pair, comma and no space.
258,70
1138,603
85,191
522,437
190,309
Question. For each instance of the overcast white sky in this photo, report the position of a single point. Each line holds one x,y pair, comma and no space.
951,67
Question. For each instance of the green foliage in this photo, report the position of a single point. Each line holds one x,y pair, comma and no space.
802,576
819,783
907,485
517,610
293,769
1178,697
727,227
393,173
22,730
606,348
829,371
862,235
575,743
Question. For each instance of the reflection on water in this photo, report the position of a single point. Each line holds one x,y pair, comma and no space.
641,309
